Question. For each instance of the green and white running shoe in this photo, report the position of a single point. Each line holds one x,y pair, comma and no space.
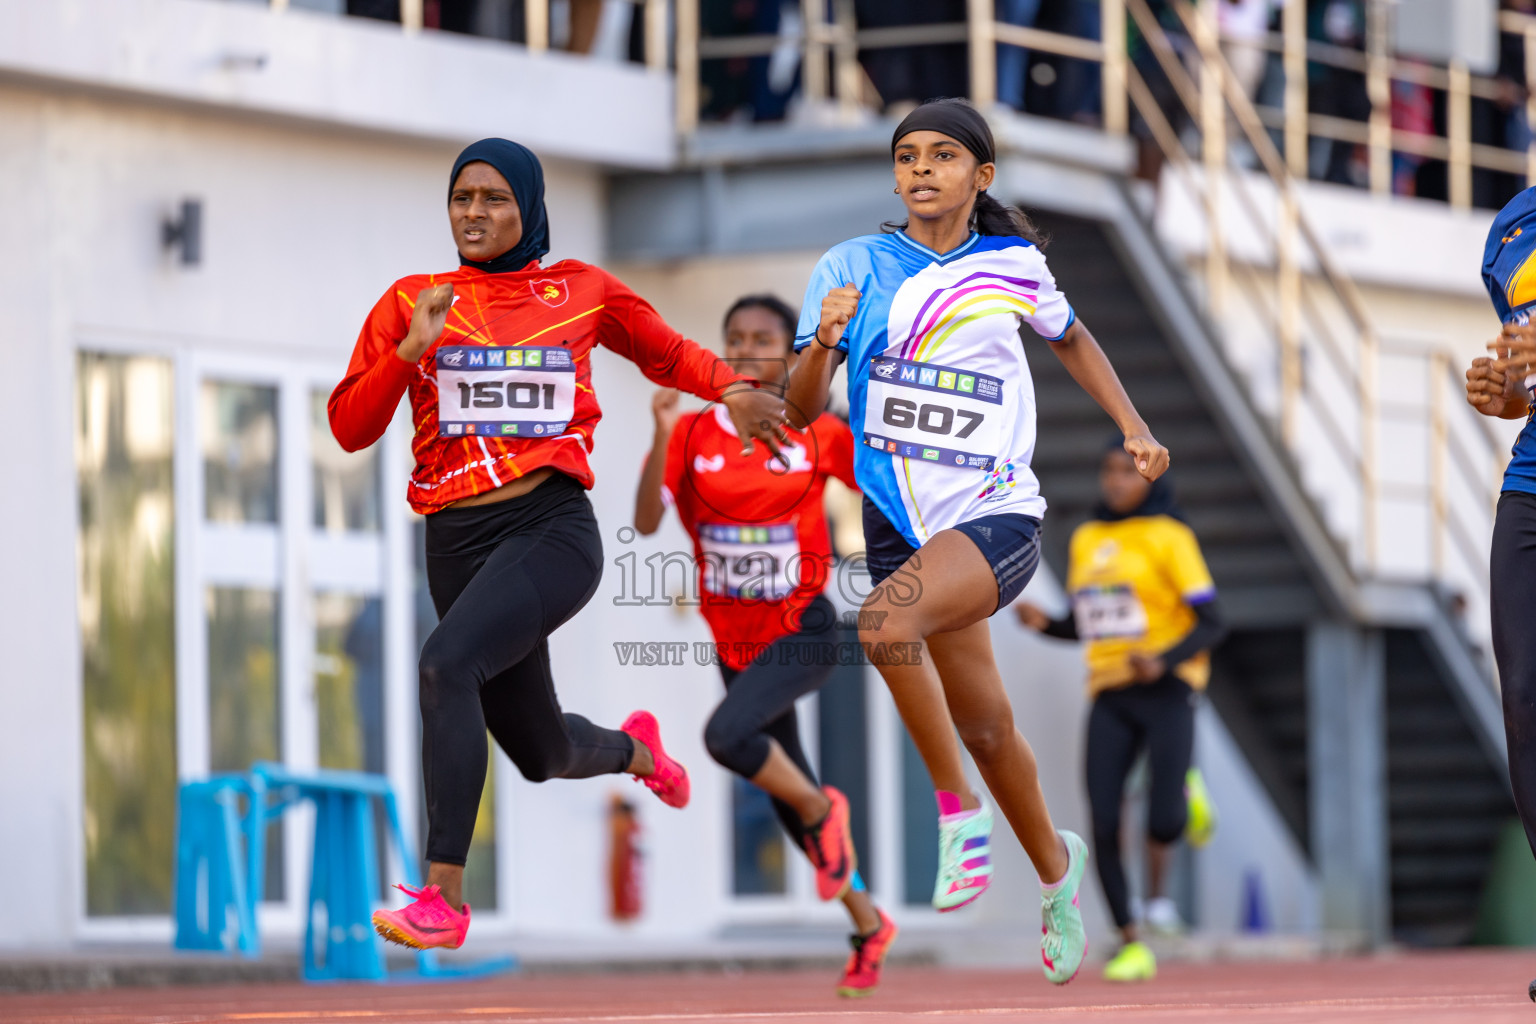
965,853
1064,942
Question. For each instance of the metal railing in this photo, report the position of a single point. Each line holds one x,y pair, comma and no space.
1380,70
536,24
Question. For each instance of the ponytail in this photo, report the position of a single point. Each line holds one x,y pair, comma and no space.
990,217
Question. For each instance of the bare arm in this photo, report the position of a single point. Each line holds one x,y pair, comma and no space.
649,506
811,378
810,381
1086,362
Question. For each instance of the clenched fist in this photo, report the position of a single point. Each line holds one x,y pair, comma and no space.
432,305
837,309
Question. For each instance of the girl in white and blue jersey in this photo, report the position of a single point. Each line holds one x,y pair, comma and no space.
928,318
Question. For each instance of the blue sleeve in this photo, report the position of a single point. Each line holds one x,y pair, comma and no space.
831,272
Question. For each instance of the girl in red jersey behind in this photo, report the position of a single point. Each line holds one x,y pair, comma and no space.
496,360
760,540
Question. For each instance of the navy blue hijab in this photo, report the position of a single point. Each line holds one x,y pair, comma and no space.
1158,502
523,172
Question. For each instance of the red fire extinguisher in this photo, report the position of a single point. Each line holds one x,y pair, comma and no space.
624,867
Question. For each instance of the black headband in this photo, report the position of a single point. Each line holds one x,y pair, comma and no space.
954,118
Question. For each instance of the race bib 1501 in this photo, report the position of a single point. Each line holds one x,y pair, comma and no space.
521,391
1109,613
932,413
752,562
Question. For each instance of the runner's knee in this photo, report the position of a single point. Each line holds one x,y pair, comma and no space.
542,763
447,673
731,749
989,734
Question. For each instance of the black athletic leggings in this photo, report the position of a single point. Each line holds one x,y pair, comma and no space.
503,577
1512,598
1161,717
760,700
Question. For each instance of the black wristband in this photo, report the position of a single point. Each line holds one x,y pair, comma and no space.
816,337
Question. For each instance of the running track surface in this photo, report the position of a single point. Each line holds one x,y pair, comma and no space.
1489,988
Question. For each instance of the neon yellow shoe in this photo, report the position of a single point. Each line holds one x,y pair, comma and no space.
1134,962
1202,810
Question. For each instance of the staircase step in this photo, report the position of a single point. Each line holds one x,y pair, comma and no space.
1254,564
1449,830
1432,797
1435,760
1440,870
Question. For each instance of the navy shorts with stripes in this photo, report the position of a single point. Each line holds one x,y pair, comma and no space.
1010,542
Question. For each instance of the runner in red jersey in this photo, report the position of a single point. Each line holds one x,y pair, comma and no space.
495,357
760,540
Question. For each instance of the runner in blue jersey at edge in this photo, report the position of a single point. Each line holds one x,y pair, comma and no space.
943,410
1503,385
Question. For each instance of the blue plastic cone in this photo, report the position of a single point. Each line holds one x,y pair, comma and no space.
1255,907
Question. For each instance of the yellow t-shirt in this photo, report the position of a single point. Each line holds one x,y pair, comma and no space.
1132,583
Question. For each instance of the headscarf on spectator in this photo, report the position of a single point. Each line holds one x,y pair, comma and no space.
1158,502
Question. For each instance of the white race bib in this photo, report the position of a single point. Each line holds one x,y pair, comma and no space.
1110,612
754,562
939,414
521,391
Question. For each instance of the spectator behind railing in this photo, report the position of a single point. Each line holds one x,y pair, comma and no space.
1513,130
905,76
506,20
1413,110
1338,92
1080,83
745,88
1244,24
1013,61
1149,155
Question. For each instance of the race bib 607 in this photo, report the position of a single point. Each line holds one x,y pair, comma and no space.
940,414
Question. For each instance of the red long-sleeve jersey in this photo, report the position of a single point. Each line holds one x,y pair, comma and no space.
759,529
507,388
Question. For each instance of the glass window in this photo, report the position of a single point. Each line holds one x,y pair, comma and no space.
244,702
349,681
346,484
123,442
757,843
239,430
349,695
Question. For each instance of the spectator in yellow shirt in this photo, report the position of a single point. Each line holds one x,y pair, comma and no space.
1145,607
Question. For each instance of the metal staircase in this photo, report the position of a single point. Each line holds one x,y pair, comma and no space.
1446,796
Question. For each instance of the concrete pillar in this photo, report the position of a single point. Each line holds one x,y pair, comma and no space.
1347,779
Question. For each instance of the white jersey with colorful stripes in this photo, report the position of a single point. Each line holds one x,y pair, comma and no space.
939,388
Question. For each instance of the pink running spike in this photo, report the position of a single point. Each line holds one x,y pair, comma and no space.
428,923
669,781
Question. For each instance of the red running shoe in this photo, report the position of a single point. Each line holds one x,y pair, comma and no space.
428,923
829,845
670,780
863,971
